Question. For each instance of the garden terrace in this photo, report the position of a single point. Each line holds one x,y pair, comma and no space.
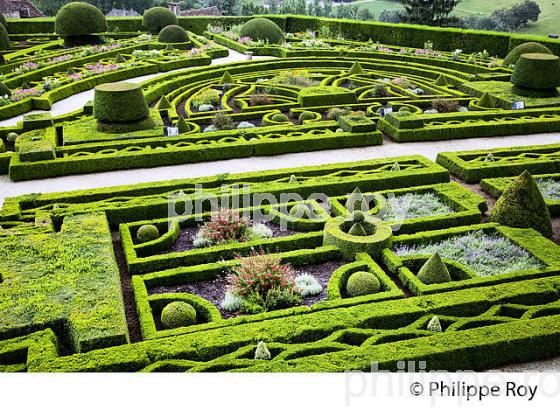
516,307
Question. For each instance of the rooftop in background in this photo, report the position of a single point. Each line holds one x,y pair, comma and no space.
19,9
205,11
122,13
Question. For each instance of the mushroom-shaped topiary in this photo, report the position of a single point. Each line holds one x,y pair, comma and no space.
120,107
522,206
156,18
434,271
525,48
173,34
178,314
362,283
80,23
262,29
539,72
262,352
147,233
4,38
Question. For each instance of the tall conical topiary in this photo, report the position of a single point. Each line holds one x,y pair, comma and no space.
293,179
183,126
434,271
522,206
164,103
226,79
356,69
434,324
357,230
4,90
356,201
486,101
262,352
441,81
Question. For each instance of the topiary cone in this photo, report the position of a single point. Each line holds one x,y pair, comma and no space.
356,69
356,201
357,230
434,271
522,206
226,79
183,126
486,101
164,103
4,90
262,352
434,324
441,81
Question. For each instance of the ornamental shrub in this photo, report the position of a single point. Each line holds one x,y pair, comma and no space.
277,298
4,39
77,18
223,121
525,48
173,34
164,103
523,206
308,285
3,20
11,137
262,352
306,115
260,98
362,283
182,125
225,225
156,18
357,230
178,314
434,271
434,325
262,29
443,105
226,79
356,69
147,233
300,211
280,118
536,71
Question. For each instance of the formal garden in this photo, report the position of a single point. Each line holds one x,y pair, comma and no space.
320,268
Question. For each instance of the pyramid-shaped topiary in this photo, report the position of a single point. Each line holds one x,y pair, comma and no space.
226,79
4,90
356,201
522,206
164,103
486,101
356,69
434,324
262,352
183,126
434,271
441,81
357,230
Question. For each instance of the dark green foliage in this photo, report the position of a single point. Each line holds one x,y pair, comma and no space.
4,39
3,20
173,34
441,81
537,71
223,121
4,90
306,115
430,13
279,118
362,283
356,69
182,125
262,29
522,206
226,79
525,48
119,103
434,271
486,101
156,18
147,233
164,103
178,314
78,19
119,59
357,230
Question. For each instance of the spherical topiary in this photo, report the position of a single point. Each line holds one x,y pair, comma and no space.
147,233
173,34
262,29
4,38
279,118
178,314
525,48
11,137
536,72
157,18
305,116
119,103
77,19
522,206
362,283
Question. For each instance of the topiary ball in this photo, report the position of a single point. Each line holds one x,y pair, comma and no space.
305,116
262,29
178,314
78,19
119,103
4,38
147,233
362,283
523,206
537,72
173,34
525,48
11,137
156,18
280,118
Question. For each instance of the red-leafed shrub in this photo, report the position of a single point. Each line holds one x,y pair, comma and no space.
225,225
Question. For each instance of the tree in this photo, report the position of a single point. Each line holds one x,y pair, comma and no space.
429,12
526,12
389,16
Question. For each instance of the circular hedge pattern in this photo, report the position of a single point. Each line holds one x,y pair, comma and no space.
178,314
362,283
525,48
147,233
76,19
156,18
173,34
119,103
537,71
262,29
